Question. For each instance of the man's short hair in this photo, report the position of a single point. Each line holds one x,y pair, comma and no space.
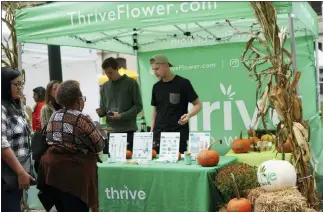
40,91
110,62
68,93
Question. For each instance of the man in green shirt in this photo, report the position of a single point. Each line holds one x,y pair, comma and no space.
120,101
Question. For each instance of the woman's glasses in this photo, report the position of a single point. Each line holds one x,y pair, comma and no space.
83,98
18,84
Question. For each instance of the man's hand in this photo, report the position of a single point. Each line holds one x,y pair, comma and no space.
109,129
24,180
99,112
116,116
184,119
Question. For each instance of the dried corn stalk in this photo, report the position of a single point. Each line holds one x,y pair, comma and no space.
9,47
280,93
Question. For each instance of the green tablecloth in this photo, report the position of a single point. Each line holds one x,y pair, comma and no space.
257,158
158,187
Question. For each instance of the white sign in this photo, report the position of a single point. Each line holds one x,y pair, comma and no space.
169,145
142,146
198,142
118,146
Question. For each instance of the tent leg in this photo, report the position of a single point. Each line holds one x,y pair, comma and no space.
318,77
139,82
293,46
135,47
54,62
19,47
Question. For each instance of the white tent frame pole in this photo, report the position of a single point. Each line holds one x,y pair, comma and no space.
19,48
135,45
318,77
139,83
293,46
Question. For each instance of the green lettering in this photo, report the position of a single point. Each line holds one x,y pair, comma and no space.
272,176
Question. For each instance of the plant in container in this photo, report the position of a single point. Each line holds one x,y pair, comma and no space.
246,178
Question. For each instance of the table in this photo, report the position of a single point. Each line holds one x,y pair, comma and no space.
159,187
257,158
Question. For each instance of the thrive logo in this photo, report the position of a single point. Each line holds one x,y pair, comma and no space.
266,178
228,106
125,194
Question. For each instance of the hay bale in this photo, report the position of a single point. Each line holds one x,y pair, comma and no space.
223,209
280,201
253,194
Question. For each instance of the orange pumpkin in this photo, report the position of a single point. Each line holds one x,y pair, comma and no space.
238,204
287,146
154,153
241,145
128,154
179,156
209,157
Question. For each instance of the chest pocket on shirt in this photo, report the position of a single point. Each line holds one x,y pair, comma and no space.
174,98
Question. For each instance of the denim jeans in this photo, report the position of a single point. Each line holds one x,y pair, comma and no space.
10,199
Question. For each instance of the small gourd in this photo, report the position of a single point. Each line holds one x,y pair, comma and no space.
154,153
268,137
251,132
286,147
128,154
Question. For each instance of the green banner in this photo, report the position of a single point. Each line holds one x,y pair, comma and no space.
224,87
77,18
115,26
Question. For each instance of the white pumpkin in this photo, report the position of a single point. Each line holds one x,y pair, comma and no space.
275,175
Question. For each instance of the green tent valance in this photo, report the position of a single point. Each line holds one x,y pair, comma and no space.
148,26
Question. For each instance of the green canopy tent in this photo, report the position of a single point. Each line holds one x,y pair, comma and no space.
114,26
204,42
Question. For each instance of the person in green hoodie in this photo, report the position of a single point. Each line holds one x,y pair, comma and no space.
120,101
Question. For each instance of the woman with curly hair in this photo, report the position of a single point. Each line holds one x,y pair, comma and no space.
50,103
67,174
15,149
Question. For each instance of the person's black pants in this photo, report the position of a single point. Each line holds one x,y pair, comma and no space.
10,199
65,202
129,141
182,146
36,166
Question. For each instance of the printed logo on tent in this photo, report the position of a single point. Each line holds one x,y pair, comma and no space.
226,107
234,63
227,92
